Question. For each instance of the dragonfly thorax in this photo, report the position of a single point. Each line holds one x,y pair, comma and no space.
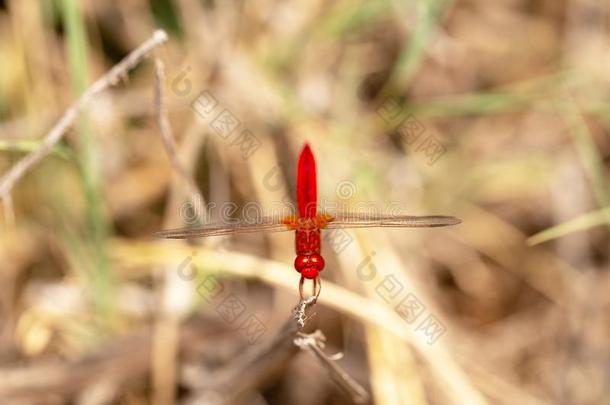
307,241
320,221
308,262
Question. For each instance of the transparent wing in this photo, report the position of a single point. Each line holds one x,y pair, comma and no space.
265,224
366,220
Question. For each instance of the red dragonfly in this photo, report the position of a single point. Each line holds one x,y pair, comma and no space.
308,223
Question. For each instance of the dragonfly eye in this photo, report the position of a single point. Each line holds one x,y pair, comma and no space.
317,261
309,265
301,262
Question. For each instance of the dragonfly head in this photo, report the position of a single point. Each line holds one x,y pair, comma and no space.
309,266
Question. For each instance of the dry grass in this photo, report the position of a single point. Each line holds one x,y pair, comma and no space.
94,311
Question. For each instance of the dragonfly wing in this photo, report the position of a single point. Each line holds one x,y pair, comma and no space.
266,224
366,220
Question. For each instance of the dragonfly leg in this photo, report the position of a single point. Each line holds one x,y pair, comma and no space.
316,288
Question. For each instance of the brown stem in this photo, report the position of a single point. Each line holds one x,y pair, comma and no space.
111,78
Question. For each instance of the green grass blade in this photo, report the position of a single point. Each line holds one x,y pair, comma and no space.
27,146
587,151
581,223
97,227
429,13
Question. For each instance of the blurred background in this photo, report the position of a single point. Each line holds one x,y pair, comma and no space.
494,112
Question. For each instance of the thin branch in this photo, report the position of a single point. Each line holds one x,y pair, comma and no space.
111,78
315,343
253,369
299,312
167,135
256,365
164,369
259,363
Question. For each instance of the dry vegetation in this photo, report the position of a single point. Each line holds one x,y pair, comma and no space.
93,310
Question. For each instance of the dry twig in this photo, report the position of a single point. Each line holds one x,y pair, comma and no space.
165,331
255,366
315,343
252,369
299,311
111,78
167,135
262,361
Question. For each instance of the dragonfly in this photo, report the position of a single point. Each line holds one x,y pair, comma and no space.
308,223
